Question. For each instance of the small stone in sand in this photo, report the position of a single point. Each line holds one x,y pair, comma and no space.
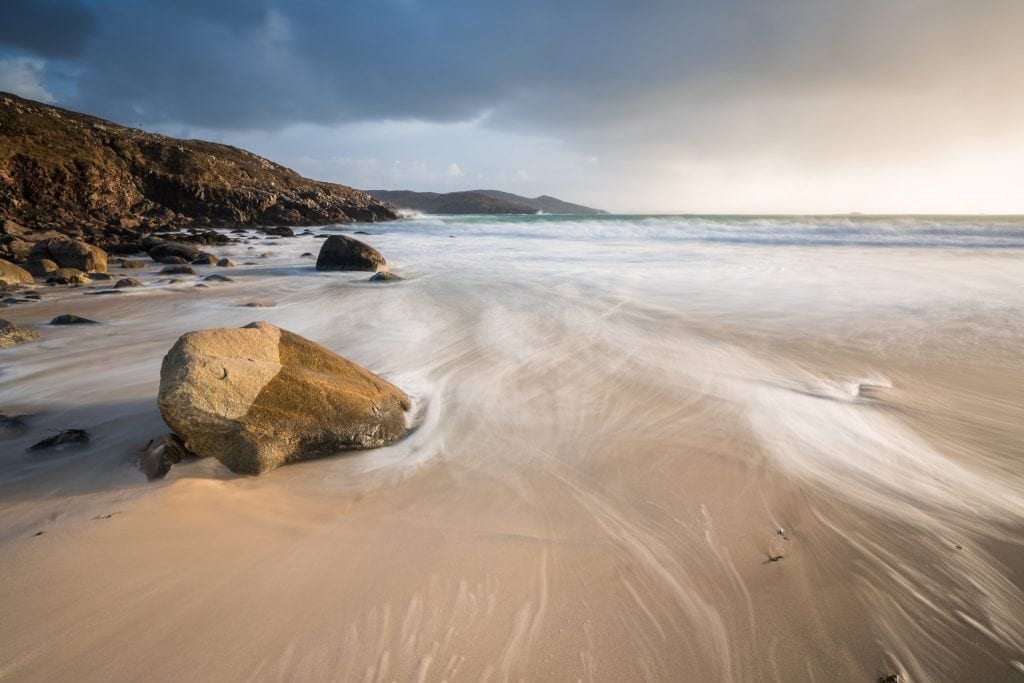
226,263
218,278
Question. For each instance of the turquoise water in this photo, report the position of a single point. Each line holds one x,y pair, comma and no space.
911,231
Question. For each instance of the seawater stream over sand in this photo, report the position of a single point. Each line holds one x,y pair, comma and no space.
618,421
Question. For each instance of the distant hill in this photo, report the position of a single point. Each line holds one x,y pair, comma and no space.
478,202
61,168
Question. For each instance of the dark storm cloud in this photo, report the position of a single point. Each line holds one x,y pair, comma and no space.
623,68
50,28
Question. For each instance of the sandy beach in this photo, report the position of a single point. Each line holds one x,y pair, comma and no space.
612,437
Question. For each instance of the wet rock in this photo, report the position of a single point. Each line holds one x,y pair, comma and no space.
218,278
11,275
128,282
307,254
341,252
68,253
71,319
158,456
129,263
205,260
226,263
384,276
178,270
259,397
11,334
68,276
66,437
172,260
279,231
186,252
41,267
104,292
100,276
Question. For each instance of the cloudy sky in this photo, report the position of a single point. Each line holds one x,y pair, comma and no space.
641,105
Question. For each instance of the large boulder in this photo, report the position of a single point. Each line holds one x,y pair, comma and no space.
258,397
12,275
340,252
68,253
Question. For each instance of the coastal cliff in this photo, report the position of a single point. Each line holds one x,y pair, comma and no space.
59,169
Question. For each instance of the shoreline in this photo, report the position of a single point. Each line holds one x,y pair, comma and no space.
594,493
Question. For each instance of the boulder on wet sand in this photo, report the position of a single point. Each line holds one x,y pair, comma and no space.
205,259
341,252
11,275
127,282
11,334
259,397
226,263
68,253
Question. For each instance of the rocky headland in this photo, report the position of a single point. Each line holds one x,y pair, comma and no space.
69,175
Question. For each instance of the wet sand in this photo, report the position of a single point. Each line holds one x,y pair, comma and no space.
597,478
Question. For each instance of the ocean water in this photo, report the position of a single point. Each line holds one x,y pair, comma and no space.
867,370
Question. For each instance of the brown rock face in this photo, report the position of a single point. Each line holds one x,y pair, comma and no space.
11,275
64,168
259,397
71,254
340,252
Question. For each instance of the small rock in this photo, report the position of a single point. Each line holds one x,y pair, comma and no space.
307,254
66,437
11,334
205,259
128,282
100,276
71,319
178,270
68,276
128,263
157,457
173,260
218,278
384,276
226,263
41,267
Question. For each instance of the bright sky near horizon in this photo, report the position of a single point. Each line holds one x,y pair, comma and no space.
737,106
